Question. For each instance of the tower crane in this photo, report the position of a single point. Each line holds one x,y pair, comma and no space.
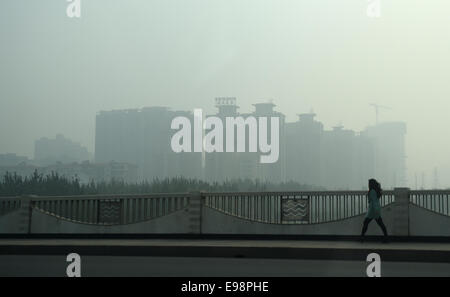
377,110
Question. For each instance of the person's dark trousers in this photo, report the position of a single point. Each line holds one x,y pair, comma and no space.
379,222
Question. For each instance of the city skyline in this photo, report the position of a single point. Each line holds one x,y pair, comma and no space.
228,110
58,72
335,159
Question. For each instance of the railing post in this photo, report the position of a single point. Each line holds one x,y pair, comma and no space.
401,212
25,214
195,213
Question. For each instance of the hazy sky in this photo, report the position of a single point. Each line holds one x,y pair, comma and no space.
326,55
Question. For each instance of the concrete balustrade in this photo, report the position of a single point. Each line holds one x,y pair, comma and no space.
405,213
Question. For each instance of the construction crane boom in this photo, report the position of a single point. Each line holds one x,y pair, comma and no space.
377,107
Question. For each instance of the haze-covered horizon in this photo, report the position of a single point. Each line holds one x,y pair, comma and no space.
56,73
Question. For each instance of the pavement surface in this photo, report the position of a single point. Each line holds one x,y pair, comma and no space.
259,249
114,266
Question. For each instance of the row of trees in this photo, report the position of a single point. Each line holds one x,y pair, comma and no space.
12,184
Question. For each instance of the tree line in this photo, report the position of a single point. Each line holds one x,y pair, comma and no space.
54,184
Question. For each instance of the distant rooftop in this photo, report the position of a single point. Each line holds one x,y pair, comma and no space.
135,110
265,104
306,116
225,101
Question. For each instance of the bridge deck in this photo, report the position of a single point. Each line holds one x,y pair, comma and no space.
290,249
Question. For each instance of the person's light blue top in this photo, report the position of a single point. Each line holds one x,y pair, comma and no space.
374,211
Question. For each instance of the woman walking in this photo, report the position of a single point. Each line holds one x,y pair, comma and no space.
374,211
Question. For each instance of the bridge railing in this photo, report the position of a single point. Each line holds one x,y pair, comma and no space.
9,204
278,208
108,209
293,207
434,200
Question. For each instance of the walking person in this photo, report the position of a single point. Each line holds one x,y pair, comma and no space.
374,211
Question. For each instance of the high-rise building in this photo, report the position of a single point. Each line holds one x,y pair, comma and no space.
143,137
303,145
60,149
390,156
274,172
337,152
221,166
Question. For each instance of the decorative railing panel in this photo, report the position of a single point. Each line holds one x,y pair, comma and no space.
113,209
295,210
110,212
